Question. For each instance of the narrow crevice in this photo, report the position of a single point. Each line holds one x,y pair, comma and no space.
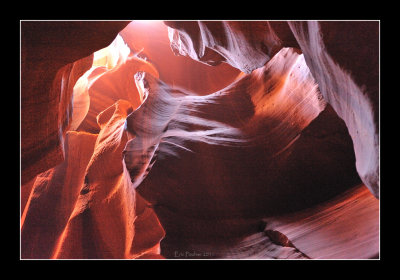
280,239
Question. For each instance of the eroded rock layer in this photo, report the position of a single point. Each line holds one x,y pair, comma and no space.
134,152
245,45
345,227
152,43
87,207
259,147
54,54
343,57
346,68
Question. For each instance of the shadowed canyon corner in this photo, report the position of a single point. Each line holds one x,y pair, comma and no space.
200,140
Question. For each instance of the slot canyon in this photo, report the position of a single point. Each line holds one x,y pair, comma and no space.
183,140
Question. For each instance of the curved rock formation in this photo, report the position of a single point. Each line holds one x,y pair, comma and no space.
108,210
166,157
52,61
346,67
245,45
222,162
176,71
94,209
345,227
109,79
84,192
267,109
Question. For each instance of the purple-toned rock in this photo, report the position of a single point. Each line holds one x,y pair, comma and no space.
246,45
344,60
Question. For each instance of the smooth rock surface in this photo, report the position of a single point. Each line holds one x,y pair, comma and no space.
86,207
344,60
259,147
167,157
345,227
343,57
54,54
245,45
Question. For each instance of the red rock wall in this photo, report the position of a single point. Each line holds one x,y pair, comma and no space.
54,54
342,56
134,152
69,211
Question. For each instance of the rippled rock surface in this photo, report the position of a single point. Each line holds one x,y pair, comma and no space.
257,142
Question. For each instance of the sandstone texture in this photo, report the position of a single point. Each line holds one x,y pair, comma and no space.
200,140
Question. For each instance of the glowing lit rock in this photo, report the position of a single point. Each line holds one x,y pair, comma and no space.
223,161
95,211
342,56
116,66
218,163
246,45
54,54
